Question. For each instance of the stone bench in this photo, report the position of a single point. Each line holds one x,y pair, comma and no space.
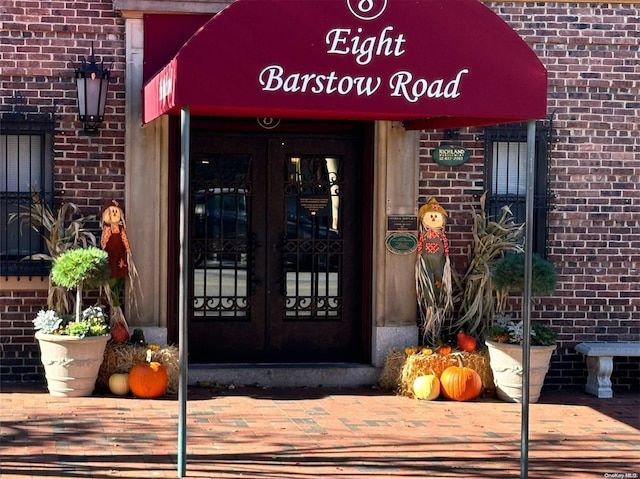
600,364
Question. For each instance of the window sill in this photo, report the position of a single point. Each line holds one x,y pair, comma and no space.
24,283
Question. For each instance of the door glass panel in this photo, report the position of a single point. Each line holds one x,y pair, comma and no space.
313,244
220,214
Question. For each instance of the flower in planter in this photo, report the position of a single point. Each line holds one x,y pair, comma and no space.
47,321
92,322
510,332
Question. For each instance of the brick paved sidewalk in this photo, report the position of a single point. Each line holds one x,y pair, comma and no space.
311,433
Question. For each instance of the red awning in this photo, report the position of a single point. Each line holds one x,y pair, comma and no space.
428,63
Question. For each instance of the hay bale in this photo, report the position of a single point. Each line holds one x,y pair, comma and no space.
120,358
420,364
392,370
479,362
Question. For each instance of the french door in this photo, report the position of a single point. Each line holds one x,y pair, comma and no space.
275,249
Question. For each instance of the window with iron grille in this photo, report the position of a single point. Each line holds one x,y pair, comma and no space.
26,168
505,157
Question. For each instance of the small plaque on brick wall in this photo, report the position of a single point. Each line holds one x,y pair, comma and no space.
402,223
450,155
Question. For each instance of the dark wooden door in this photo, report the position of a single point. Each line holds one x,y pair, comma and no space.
274,247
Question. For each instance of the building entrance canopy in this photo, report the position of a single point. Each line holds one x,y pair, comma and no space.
427,63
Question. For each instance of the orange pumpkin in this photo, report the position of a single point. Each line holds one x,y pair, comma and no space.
148,379
466,343
460,383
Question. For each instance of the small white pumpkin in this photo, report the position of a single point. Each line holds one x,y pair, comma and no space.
119,384
426,387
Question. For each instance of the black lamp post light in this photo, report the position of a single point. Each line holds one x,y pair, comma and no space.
92,83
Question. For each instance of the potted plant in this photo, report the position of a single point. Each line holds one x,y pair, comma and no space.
72,347
504,341
508,277
505,337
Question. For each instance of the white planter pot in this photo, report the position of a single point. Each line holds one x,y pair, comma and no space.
71,364
506,365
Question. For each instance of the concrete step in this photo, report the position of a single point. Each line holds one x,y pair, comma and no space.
285,375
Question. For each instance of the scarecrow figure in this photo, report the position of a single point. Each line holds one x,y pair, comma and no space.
115,242
114,238
433,269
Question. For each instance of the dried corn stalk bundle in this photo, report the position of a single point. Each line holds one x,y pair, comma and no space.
491,240
120,358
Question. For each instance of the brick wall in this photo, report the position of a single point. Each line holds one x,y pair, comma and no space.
20,356
40,41
593,61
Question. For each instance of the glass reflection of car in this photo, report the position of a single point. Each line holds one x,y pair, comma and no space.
221,224
314,238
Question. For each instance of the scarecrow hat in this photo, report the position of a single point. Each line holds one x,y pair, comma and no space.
432,205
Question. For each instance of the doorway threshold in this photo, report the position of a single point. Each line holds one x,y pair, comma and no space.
285,375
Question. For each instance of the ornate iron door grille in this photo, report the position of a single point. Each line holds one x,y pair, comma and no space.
221,237
313,244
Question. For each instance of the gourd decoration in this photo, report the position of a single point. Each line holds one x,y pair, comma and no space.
466,343
148,379
119,384
426,387
119,333
443,349
460,383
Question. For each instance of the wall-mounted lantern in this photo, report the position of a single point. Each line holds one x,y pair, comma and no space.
92,83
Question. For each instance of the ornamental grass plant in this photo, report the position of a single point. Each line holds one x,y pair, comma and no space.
61,229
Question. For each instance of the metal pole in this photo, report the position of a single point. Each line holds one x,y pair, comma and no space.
182,296
526,299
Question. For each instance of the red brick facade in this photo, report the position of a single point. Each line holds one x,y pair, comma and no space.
591,53
40,43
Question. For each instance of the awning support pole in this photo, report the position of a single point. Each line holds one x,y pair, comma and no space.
185,125
526,300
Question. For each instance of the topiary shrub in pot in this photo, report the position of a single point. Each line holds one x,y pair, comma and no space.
72,346
508,277
505,337
80,268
